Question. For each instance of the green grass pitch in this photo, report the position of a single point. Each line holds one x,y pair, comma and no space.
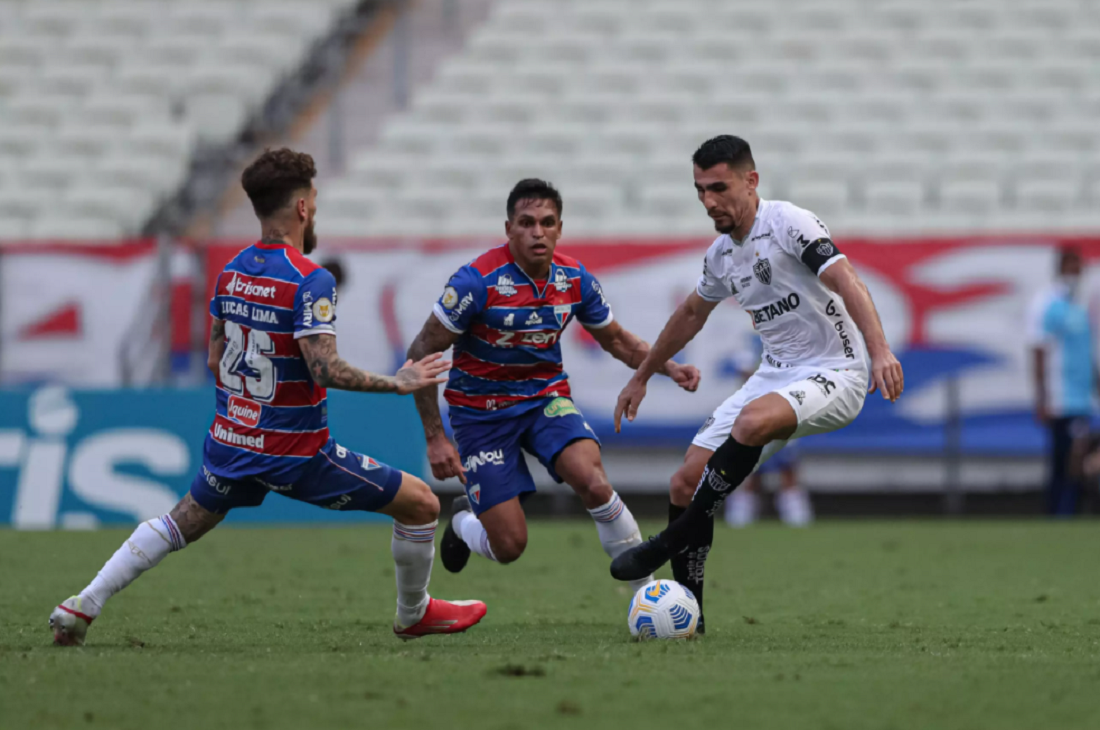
845,625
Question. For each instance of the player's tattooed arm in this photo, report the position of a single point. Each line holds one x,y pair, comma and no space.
444,458
886,373
217,345
329,370
433,338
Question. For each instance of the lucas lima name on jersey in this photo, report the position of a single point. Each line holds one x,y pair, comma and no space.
774,275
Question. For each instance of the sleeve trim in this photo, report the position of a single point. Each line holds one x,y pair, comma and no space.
437,310
830,262
601,325
322,330
705,297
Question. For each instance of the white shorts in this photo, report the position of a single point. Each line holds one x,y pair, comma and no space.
823,400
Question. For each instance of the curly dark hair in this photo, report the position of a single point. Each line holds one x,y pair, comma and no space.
726,148
533,189
274,176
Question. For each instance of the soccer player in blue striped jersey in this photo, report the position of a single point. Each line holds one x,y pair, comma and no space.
273,350
505,313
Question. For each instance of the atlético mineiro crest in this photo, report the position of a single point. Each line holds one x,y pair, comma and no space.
763,271
561,313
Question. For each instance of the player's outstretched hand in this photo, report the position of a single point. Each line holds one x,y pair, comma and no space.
687,377
629,400
416,375
444,458
886,376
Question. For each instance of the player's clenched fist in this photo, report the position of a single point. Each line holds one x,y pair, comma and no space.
686,376
416,375
444,458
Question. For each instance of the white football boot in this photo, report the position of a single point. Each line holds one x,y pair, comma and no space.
794,507
70,623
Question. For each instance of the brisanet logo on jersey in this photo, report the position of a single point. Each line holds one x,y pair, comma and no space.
56,471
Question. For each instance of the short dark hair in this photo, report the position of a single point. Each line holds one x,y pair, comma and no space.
533,189
726,148
274,176
1068,252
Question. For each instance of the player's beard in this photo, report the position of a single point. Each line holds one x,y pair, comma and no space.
309,238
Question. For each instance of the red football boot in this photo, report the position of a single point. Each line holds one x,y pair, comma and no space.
443,617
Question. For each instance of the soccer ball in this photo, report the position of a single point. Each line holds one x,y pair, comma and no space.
663,609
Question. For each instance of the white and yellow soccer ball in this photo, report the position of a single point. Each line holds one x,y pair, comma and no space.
663,609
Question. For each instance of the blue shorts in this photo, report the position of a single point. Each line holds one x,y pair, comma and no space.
336,478
492,451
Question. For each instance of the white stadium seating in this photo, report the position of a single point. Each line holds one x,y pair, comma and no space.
102,102
885,116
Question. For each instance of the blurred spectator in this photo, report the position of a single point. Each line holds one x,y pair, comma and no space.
792,502
335,268
1065,374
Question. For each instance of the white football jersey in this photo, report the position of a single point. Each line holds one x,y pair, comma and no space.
773,273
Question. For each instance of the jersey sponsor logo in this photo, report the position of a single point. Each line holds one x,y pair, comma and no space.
511,318
798,395
462,307
762,269
727,252
562,312
776,363
561,281
824,384
776,309
505,339
533,319
841,330
339,504
560,407
216,484
706,424
505,286
765,234
307,307
599,290
244,411
275,487
238,286
450,298
485,458
231,437
745,281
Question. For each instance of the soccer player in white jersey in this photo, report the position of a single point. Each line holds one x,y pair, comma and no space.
818,325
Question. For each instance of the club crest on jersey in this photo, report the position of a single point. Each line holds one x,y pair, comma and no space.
534,319
763,271
505,286
561,280
243,411
561,313
825,248
369,464
474,490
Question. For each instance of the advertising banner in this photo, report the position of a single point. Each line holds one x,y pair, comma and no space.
84,458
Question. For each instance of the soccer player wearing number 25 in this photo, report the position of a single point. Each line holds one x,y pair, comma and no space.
504,313
817,324
273,350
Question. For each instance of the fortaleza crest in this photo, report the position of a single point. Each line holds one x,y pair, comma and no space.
763,271
561,313
560,407
505,286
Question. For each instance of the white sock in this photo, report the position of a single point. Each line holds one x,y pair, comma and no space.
472,532
413,549
618,531
151,541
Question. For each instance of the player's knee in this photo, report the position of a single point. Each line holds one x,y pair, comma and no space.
753,428
595,491
508,548
682,488
420,506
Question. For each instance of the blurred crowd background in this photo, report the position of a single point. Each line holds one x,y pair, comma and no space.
951,147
